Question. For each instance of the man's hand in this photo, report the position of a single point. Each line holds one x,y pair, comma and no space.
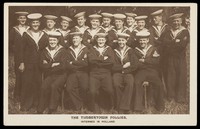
105,57
45,62
141,60
55,64
21,67
126,65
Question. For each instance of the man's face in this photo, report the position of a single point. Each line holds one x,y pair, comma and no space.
130,21
143,42
122,42
53,42
22,20
141,24
106,22
64,24
157,19
119,23
101,41
50,24
35,24
81,21
176,23
95,23
76,40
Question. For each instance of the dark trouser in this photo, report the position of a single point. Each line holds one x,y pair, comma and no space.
18,81
123,84
31,83
177,79
152,76
100,80
50,94
77,87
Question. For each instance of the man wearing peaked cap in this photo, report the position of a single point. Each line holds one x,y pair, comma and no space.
64,30
106,21
148,72
15,37
88,37
125,64
50,23
77,81
81,20
33,42
130,20
175,42
53,63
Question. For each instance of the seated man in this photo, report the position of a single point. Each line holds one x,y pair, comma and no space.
53,64
101,61
77,81
147,71
125,64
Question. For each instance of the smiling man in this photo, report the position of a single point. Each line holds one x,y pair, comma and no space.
53,65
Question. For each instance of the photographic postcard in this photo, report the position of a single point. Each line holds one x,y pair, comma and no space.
27,25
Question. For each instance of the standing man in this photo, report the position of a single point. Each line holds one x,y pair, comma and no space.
77,81
147,71
175,43
106,22
50,24
15,39
33,42
125,64
88,37
119,28
53,64
130,21
81,20
101,59
64,30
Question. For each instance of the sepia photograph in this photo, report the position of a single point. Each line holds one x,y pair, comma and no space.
97,64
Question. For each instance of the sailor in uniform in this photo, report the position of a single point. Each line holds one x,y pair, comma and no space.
175,42
101,59
125,64
147,71
53,64
119,28
88,37
81,20
15,38
50,24
77,67
64,30
130,21
106,22
33,42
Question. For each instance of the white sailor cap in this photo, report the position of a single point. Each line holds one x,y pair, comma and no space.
175,16
123,35
142,17
119,16
108,15
21,13
54,34
158,12
143,34
50,17
101,35
95,16
79,14
66,18
76,33
130,14
34,16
